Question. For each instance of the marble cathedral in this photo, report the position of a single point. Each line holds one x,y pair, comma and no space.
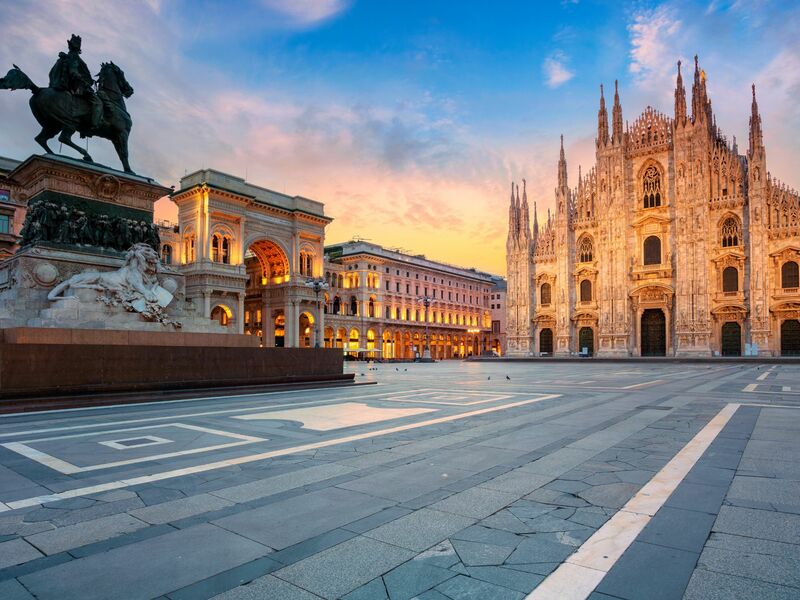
673,244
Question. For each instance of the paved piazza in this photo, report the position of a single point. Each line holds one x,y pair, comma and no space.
450,480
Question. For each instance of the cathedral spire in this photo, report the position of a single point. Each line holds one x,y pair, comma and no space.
617,115
756,135
680,99
535,220
602,121
526,219
512,216
562,167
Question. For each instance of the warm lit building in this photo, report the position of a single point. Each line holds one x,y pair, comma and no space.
497,306
12,209
673,244
246,252
375,302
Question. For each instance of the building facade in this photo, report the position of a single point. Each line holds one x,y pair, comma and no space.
673,244
375,304
497,306
246,253
12,209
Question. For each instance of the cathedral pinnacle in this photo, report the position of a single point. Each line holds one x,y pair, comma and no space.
602,120
562,167
680,99
526,219
756,135
617,115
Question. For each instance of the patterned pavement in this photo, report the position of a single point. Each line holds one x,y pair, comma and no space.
449,480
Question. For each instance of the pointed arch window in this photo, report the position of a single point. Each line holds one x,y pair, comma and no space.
585,250
731,232
651,187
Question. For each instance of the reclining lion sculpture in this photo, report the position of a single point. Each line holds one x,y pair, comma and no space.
134,286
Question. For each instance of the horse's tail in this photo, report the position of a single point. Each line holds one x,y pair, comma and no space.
16,79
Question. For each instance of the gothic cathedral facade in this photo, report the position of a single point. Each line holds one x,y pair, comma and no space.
673,244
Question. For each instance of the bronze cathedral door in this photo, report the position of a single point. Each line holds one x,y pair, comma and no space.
654,332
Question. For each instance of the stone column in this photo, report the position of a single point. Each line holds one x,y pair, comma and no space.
321,320
240,314
267,322
207,304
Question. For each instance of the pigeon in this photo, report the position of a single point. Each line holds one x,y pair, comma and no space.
509,378
396,369
405,369
489,377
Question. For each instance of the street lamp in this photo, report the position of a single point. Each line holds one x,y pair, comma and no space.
427,301
317,285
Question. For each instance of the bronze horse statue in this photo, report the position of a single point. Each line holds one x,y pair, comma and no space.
61,111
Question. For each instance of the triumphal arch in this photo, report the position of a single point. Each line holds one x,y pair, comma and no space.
247,252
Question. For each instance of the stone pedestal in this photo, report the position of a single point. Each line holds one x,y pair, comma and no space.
83,217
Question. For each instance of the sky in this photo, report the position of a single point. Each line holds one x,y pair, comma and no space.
410,118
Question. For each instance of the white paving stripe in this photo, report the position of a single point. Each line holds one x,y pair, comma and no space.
174,416
123,483
583,571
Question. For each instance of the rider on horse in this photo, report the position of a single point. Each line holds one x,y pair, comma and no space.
70,74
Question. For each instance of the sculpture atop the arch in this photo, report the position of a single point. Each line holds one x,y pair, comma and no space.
75,102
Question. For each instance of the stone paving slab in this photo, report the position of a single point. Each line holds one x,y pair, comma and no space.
421,529
147,569
15,552
88,532
336,571
182,508
282,524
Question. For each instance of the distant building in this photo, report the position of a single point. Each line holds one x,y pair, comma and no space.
12,209
497,306
673,244
375,302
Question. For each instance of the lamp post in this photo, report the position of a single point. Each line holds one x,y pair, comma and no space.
427,301
317,285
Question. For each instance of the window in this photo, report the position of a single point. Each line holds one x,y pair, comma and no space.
166,254
5,196
586,290
371,308
544,294
731,232
585,250
388,313
4,224
226,250
353,305
790,275
651,186
730,279
652,250
188,247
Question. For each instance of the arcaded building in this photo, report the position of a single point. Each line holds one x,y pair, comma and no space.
375,304
246,252
674,243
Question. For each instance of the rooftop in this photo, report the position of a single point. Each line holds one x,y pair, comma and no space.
356,247
261,195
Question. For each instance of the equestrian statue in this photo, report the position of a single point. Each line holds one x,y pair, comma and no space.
75,102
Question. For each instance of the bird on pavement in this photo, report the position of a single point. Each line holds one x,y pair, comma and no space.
507,377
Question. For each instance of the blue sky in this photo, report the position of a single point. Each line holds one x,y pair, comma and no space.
408,119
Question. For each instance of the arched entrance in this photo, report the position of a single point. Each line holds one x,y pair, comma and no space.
329,337
280,331
790,338
546,341
586,340
654,332
731,339
306,330
222,314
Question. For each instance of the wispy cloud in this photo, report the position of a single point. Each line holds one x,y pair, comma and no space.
555,69
654,44
306,13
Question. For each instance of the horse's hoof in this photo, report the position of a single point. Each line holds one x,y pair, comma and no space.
87,158
130,171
